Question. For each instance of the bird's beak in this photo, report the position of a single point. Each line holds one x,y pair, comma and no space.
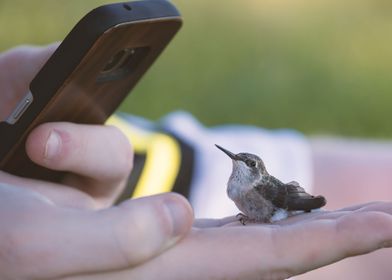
230,154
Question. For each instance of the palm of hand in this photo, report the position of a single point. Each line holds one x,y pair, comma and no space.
214,249
225,249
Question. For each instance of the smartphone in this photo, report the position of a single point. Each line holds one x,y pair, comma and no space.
88,76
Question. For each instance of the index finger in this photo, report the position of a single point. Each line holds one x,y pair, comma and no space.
100,157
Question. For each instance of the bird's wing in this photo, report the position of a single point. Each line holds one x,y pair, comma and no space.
272,189
293,183
298,199
289,196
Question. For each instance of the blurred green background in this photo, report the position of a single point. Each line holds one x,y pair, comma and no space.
322,67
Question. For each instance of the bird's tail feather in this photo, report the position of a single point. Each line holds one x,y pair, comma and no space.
306,204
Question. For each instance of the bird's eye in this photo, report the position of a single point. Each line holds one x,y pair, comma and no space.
251,163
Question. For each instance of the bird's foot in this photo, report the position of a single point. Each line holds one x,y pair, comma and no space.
242,218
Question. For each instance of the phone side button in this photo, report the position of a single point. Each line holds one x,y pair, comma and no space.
20,108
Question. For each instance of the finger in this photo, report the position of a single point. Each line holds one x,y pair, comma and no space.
324,241
19,66
99,152
358,206
269,252
381,206
100,155
111,239
22,64
60,195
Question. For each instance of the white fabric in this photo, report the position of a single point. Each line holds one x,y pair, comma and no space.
286,154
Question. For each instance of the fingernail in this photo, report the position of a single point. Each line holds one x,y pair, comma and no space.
53,145
179,215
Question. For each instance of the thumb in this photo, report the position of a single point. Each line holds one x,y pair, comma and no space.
115,238
151,225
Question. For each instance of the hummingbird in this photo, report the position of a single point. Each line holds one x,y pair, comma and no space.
259,195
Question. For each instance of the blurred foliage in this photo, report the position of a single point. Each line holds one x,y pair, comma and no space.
317,66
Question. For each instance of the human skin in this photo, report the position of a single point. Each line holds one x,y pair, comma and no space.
353,171
70,231
50,230
225,249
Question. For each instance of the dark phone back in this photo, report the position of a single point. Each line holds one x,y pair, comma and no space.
90,74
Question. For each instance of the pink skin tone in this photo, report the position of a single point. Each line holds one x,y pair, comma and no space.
70,230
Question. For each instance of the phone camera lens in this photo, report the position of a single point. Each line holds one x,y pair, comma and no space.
116,60
122,63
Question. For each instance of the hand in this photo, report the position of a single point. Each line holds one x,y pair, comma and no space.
17,68
50,230
50,144
40,239
225,249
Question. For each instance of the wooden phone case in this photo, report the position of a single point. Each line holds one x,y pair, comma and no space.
73,85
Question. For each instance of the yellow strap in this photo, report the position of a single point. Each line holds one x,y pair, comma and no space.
163,158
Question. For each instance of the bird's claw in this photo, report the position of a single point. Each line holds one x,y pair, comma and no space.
242,218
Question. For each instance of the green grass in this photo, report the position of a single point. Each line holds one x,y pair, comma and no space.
317,66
